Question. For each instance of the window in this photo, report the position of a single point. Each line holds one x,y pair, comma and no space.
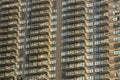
117,74
90,57
116,45
90,17
97,62
90,64
116,59
116,25
52,68
90,50
116,32
97,77
116,6
90,24
90,5
52,75
116,12
90,71
53,61
116,18
116,52
90,78
90,11
89,30
117,66
90,44
117,38
97,69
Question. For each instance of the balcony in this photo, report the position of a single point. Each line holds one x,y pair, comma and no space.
104,49
7,70
105,77
103,29
38,58
39,46
9,1
41,14
12,38
73,61
39,27
9,56
105,70
32,34
102,17
80,32
75,74
104,63
34,21
8,77
2,64
102,4
73,54
40,40
10,7
38,52
8,50
42,2
38,73
78,2
104,56
70,34
8,32
40,8
104,43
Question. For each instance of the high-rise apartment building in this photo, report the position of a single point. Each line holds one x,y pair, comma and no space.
59,40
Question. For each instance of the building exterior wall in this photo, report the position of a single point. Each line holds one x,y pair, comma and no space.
59,39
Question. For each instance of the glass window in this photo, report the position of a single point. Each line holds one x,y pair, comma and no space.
116,52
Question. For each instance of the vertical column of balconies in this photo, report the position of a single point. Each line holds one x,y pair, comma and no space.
104,43
39,55
114,28
75,40
9,35
98,41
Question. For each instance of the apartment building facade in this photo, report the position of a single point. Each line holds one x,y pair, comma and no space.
59,40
